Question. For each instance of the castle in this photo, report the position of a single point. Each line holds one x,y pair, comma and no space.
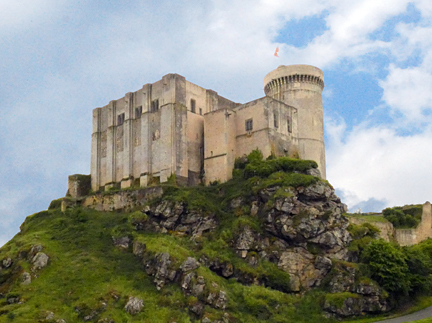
174,127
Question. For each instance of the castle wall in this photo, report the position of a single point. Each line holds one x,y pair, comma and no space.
220,145
408,237
176,127
268,135
195,142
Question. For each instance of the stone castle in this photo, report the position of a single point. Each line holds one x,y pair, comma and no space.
174,127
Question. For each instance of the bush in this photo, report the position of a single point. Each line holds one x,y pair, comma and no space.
388,266
407,216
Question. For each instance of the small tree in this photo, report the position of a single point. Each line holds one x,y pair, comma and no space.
388,266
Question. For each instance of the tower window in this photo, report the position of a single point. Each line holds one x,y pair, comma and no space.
249,125
200,111
193,105
289,124
120,119
138,112
276,120
154,105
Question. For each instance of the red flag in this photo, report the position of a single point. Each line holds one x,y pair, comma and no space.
276,52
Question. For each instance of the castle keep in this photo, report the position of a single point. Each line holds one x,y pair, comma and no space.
174,127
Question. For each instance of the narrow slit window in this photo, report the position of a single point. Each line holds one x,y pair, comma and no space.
249,125
120,119
154,105
200,111
138,112
276,120
193,105
289,124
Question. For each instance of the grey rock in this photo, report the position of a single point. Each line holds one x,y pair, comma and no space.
139,249
197,308
40,260
314,172
222,300
134,305
122,242
49,316
190,264
25,278
237,202
246,239
187,280
6,263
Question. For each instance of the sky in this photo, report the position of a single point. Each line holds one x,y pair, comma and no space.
60,59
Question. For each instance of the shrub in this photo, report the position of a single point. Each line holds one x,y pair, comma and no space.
55,204
388,266
407,216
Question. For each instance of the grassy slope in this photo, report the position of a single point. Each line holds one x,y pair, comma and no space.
85,269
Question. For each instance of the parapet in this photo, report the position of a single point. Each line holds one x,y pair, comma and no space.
293,73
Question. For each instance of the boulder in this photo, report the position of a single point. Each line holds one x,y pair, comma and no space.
134,305
122,242
40,260
189,264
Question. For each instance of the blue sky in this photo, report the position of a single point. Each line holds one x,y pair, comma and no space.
61,59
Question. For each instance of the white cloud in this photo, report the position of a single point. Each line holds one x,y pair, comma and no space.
380,164
408,91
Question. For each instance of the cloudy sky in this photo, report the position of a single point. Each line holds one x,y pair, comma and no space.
60,59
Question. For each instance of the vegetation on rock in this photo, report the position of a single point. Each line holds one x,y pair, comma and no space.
270,245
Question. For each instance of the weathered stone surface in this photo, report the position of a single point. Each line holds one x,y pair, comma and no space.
6,263
134,305
139,248
159,267
189,264
25,278
197,308
122,242
40,260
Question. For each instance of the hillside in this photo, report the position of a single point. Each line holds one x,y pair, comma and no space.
270,245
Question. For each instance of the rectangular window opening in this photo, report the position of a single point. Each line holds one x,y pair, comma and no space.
289,124
276,120
154,105
249,125
120,119
138,112
200,111
193,105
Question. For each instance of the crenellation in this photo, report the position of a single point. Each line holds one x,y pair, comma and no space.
176,127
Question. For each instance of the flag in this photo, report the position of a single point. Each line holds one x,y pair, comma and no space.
276,52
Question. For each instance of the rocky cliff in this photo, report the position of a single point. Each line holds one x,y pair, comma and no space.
272,244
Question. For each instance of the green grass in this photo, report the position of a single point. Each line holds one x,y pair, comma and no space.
86,269
368,218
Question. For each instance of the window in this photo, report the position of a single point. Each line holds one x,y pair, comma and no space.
193,105
138,112
289,124
120,119
200,111
154,105
249,124
276,120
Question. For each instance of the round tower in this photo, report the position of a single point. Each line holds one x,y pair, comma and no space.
301,86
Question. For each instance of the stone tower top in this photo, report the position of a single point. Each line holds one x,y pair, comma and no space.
303,73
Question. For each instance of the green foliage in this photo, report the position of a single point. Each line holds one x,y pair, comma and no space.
338,299
407,216
388,266
282,164
55,204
